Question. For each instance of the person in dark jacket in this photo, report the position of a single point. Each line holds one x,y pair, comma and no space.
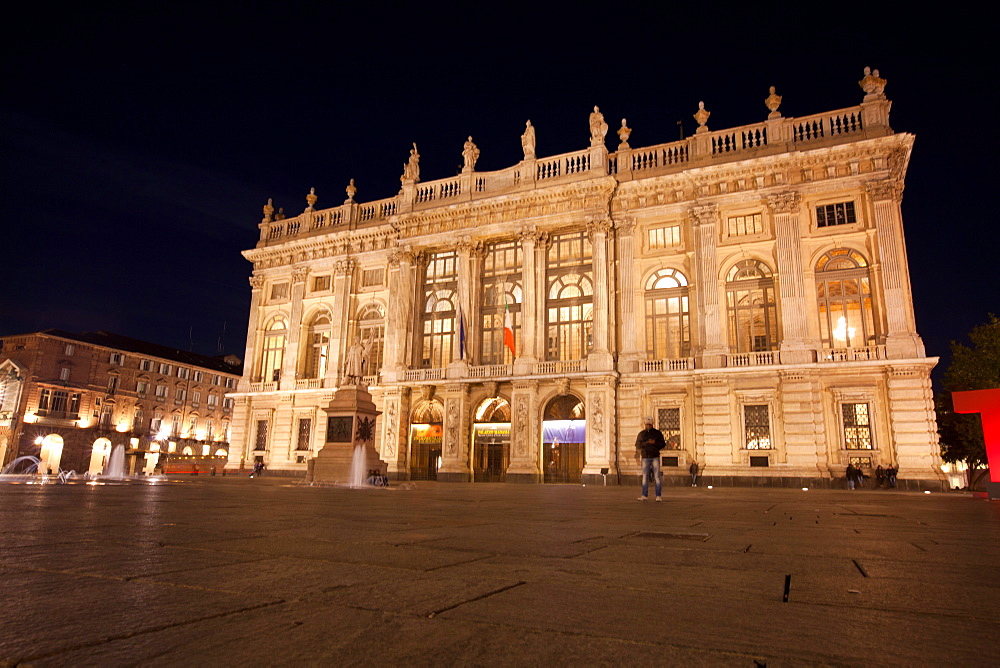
648,444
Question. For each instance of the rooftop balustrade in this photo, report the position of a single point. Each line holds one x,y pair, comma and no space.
705,148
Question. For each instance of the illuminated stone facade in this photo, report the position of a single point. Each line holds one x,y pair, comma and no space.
70,398
746,287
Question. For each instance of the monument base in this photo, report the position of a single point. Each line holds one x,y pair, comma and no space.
349,456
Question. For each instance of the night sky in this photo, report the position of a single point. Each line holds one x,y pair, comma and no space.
138,145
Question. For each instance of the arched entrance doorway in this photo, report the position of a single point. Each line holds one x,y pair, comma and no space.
99,456
491,440
425,440
51,454
564,429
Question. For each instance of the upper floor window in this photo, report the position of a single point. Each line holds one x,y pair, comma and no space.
318,354
145,365
741,226
117,358
321,283
502,298
274,349
668,320
183,372
843,293
440,310
664,237
371,329
69,350
570,297
751,308
841,213
64,373
197,376
279,291
165,369
371,278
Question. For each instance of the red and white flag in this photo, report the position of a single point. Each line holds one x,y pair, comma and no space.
508,329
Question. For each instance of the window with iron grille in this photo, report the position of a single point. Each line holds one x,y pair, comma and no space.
757,427
261,441
668,420
841,213
305,428
857,427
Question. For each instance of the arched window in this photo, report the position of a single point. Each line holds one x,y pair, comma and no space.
274,349
318,353
371,329
668,331
502,295
570,304
753,317
843,290
440,300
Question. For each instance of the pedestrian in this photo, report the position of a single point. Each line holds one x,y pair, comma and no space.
879,477
850,476
891,474
648,444
693,470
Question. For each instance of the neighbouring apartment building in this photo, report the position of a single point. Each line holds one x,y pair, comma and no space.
748,288
70,398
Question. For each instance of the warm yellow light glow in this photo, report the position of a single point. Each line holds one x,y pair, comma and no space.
82,423
927,491
205,450
38,441
134,442
805,489
163,434
122,427
30,418
171,446
200,434
946,467
185,434
154,447
842,331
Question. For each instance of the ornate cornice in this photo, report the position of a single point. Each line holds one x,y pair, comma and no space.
705,214
886,189
786,202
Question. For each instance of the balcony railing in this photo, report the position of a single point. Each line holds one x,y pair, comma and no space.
677,364
752,359
862,354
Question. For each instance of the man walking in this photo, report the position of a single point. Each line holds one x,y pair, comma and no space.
648,444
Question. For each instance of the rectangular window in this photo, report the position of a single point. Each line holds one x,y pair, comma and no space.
64,373
371,278
69,350
217,379
857,427
841,213
198,375
161,391
279,291
74,403
142,387
230,383
59,401
260,442
145,365
155,423
175,425
195,398
321,283
117,359
183,372
665,237
180,394
164,369
757,427
227,404
112,384
741,226
305,429
213,400
668,420
43,401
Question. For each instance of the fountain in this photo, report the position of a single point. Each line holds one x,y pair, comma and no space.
358,472
115,468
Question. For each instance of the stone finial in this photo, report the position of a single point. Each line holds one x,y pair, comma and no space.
528,141
873,85
598,128
351,191
470,154
623,134
772,102
268,211
311,199
702,117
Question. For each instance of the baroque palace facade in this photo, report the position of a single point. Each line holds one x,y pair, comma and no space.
747,287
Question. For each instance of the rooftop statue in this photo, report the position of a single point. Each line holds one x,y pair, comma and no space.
470,153
411,170
528,141
598,128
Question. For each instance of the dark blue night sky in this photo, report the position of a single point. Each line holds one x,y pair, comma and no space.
138,145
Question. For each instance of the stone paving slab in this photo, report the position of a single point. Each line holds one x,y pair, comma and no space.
269,572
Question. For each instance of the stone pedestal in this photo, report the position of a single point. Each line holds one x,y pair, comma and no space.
350,424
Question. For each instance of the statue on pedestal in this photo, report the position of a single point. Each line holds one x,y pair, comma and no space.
598,128
528,141
354,361
411,170
470,153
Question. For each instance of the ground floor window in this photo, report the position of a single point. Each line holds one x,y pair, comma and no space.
857,426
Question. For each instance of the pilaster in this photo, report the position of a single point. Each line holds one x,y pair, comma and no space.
339,341
526,433
913,422
455,446
251,365
602,439
395,408
713,351
795,347
628,359
290,360
600,357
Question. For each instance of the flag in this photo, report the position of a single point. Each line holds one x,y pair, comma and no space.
508,329
461,333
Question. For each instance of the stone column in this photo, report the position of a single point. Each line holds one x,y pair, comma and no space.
601,436
251,368
795,346
628,359
455,444
290,361
601,357
342,317
395,428
711,323
397,319
527,355
542,243
474,318
901,340
526,433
